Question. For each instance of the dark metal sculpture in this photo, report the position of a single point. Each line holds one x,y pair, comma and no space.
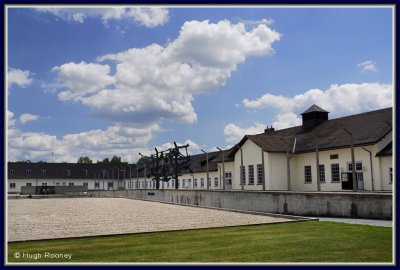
169,164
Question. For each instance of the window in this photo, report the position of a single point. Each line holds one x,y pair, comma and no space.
359,166
44,172
64,184
243,175
260,174
96,185
322,173
228,178
202,182
183,183
209,181
195,182
335,172
28,172
189,183
86,172
307,174
173,183
168,184
70,184
12,185
12,172
335,156
57,184
251,174
44,184
28,184
391,175
68,172
216,181
85,184
110,185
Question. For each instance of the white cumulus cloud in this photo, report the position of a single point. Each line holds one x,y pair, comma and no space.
234,133
27,117
339,100
21,78
157,82
368,65
10,119
81,79
149,17
146,16
119,139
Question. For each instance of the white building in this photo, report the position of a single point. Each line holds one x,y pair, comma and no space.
274,160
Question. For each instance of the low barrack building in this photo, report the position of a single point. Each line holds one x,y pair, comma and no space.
319,155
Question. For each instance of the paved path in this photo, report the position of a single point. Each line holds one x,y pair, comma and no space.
373,222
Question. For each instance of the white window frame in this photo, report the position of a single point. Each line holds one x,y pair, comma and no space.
260,174
322,178
307,174
332,173
251,175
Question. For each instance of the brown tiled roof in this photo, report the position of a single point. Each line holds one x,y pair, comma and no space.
68,170
366,128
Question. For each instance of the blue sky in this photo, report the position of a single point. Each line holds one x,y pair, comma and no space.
103,82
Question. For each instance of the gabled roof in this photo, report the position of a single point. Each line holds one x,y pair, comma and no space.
314,108
386,151
366,128
227,156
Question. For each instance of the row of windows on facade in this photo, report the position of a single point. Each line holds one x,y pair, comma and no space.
12,184
44,172
335,172
145,184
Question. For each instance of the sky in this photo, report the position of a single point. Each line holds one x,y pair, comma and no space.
114,80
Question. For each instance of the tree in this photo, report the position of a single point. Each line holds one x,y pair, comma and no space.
115,160
144,160
84,160
104,161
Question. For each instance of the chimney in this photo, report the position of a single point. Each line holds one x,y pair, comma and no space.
269,129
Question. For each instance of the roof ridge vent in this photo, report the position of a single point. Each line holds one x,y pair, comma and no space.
313,116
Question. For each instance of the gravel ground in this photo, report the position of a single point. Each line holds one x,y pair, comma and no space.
34,219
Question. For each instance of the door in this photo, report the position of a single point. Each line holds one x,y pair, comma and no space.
347,181
228,180
360,180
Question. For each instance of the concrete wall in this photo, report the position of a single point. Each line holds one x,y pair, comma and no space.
58,189
360,205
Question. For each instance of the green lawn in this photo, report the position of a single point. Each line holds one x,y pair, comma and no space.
309,241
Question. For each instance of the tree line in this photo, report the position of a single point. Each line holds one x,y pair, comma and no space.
115,160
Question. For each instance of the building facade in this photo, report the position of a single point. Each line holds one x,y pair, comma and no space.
319,155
